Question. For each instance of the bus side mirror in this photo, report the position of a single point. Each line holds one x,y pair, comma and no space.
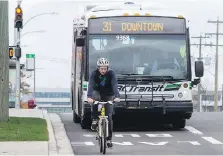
80,42
199,68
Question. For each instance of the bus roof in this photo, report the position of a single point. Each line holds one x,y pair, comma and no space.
125,9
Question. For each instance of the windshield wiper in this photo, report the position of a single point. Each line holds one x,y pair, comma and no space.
130,74
161,78
167,78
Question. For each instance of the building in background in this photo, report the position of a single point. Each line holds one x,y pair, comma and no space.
207,100
57,100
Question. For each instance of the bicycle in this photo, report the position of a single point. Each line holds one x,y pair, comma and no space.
102,128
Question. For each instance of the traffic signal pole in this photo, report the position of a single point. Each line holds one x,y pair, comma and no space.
18,79
18,26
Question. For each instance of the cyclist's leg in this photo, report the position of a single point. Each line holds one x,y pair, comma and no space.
94,110
109,113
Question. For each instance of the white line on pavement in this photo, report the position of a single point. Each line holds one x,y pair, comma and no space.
122,135
158,135
193,130
212,140
123,143
89,135
191,142
82,144
155,144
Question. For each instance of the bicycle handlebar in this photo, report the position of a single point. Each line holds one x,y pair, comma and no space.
102,102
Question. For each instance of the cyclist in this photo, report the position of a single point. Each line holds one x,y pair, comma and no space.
103,86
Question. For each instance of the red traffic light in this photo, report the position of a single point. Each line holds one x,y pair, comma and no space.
18,17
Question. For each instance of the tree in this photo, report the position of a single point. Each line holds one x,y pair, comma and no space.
24,87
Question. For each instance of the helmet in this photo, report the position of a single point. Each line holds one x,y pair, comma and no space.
102,62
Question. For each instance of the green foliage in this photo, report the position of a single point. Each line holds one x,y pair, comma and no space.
24,129
24,86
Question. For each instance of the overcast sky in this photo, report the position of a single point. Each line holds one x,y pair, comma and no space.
53,48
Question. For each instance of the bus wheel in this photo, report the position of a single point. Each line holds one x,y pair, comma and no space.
84,123
76,118
178,124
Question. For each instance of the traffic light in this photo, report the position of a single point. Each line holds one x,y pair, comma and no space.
11,52
18,17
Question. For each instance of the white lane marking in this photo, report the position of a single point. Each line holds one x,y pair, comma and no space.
123,143
212,140
158,135
154,144
193,130
89,143
82,144
89,135
195,143
122,135
191,142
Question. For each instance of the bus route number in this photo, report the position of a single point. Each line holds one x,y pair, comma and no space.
107,26
122,37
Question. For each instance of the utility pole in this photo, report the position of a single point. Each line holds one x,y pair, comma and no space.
216,62
4,62
18,25
199,58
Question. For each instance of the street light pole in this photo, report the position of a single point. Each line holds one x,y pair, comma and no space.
18,24
53,13
38,31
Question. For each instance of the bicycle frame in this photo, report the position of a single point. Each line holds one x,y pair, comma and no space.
101,109
102,126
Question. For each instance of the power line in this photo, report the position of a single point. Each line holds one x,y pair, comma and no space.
199,58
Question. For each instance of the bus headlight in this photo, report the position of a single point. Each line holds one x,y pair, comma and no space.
182,94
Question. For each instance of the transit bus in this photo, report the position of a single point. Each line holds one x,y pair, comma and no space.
148,47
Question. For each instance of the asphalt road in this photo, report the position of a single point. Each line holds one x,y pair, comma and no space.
203,135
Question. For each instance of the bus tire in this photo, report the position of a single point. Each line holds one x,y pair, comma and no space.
178,124
84,123
76,118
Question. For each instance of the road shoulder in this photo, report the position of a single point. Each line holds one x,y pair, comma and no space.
63,143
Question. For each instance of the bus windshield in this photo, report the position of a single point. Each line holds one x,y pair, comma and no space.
158,55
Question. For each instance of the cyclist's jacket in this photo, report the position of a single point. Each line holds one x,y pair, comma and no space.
105,84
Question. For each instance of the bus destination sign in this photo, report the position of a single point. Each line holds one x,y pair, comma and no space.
137,25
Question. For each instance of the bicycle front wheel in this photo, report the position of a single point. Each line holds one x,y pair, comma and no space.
104,136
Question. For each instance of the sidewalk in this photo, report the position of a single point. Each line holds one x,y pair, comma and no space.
58,143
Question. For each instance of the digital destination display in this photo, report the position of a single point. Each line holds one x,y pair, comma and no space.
137,25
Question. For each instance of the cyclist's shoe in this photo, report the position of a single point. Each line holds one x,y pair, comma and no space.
94,125
109,143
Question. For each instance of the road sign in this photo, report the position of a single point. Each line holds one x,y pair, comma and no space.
30,55
30,62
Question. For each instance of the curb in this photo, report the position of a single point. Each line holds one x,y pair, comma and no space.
52,144
63,142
